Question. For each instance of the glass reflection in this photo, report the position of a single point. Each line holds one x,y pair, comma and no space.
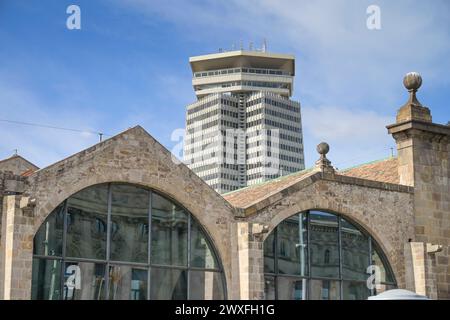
336,253
324,244
87,223
78,270
291,242
353,290
324,290
46,283
129,230
127,283
355,252
48,239
269,253
386,275
169,233
168,284
269,288
84,281
202,255
206,285
290,288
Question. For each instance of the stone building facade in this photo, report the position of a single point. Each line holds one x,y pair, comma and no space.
402,204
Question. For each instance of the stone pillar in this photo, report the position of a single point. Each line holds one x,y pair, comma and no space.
17,250
251,261
421,269
424,163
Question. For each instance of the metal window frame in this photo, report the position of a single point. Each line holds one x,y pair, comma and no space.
372,246
63,259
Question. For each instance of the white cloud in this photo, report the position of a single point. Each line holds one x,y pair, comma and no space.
354,136
343,69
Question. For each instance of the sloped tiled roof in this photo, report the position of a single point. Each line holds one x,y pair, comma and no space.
385,170
27,173
245,196
382,171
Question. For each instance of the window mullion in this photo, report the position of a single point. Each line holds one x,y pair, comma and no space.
108,241
149,248
372,291
188,256
341,286
63,253
308,246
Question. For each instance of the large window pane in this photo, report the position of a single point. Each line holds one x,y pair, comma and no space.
269,288
337,254
269,253
168,284
355,290
386,275
355,252
290,288
127,283
324,245
48,239
324,290
206,285
169,232
129,223
202,255
79,270
84,281
87,223
46,284
291,241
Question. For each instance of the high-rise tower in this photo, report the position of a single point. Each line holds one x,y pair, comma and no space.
243,129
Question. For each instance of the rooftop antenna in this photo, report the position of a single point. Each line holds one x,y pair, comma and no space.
250,46
220,49
264,46
392,152
241,44
100,135
15,152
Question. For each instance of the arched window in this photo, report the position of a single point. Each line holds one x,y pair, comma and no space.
331,260
123,242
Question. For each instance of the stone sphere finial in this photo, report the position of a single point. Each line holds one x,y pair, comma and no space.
323,148
412,81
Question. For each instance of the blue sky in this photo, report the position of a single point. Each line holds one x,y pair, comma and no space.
128,65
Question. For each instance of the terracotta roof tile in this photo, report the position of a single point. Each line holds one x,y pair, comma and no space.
27,173
382,170
385,170
244,197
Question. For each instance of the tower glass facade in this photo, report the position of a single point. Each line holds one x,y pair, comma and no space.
243,129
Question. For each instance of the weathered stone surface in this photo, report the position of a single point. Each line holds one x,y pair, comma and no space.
407,214
132,157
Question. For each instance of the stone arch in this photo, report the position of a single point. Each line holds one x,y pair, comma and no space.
370,209
204,228
134,157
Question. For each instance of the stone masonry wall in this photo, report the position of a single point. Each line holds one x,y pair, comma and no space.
424,162
432,203
386,214
132,157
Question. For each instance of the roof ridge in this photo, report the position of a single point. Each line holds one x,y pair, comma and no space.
366,163
103,142
20,157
